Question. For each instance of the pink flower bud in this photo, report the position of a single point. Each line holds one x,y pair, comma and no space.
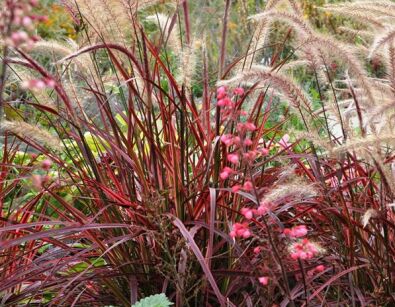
248,186
225,173
264,280
264,151
247,212
250,126
247,142
236,188
37,181
39,84
50,83
46,164
261,210
257,250
233,158
26,21
320,268
238,91
221,92
227,139
246,234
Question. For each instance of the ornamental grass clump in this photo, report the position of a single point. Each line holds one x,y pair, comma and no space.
138,160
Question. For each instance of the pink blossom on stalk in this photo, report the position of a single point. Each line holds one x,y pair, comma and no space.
238,91
225,173
19,37
236,188
250,155
261,210
50,83
296,231
320,268
38,84
264,151
236,140
46,164
257,250
247,212
248,186
247,142
240,230
27,22
227,139
250,126
233,158
224,102
264,280
303,250
221,92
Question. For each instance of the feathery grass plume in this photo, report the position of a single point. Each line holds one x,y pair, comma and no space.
329,48
286,85
170,36
365,143
295,189
364,17
188,63
185,53
290,186
391,64
106,18
387,37
290,66
263,22
376,9
315,138
20,74
111,20
365,35
294,20
60,50
33,132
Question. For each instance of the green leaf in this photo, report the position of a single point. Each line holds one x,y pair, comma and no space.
157,300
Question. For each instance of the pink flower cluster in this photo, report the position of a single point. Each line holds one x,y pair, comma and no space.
303,250
38,84
296,231
17,22
240,230
249,213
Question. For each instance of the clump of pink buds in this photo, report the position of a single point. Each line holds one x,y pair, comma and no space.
240,230
38,84
296,231
17,23
303,250
238,91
